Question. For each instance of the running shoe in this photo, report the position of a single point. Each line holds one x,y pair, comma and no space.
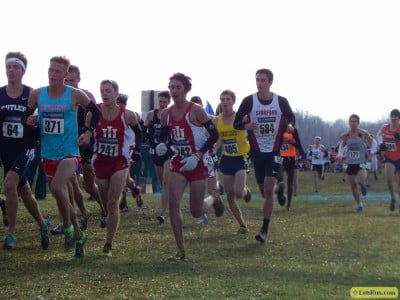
107,249
103,222
161,219
4,212
218,206
79,247
392,205
261,236
280,193
84,220
247,194
242,230
69,239
57,230
44,235
359,208
137,194
180,255
9,241
203,220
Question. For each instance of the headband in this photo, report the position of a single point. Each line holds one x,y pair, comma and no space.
17,61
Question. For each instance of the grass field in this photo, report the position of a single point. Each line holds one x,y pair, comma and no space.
318,251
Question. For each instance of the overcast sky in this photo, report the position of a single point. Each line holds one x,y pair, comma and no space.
329,58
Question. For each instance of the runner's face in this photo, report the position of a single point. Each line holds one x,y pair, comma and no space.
353,123
108,94
226,103
57,73
163,102
14,72
262,82
395,120
177,90
72,79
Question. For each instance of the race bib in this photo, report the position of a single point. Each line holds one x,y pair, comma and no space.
13,130
53,123
108,149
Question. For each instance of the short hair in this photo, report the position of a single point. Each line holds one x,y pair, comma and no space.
186,80
113,83
18,55
75,69
61,60
196,99
164,94
122,99
267,72
356,117
229,93
395,112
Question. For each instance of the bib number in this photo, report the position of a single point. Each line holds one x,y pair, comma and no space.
110,150
13,130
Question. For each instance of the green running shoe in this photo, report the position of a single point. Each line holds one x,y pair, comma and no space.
9,241
69,239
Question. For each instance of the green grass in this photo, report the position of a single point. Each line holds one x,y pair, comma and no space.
319,251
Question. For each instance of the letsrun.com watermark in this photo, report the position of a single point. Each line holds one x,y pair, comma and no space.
363,292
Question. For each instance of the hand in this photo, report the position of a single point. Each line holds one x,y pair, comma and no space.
136,155
161,149
251,126
84,138
31,120
189,163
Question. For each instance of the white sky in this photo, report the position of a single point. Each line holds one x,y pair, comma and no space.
329,58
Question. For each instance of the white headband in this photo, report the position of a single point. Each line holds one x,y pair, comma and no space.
17,61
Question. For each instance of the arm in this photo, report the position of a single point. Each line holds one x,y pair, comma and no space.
28,119
81,98
204,119
287,112
379,135
163,139
200,116
244,109
298,144
133,122
91,96
145,128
